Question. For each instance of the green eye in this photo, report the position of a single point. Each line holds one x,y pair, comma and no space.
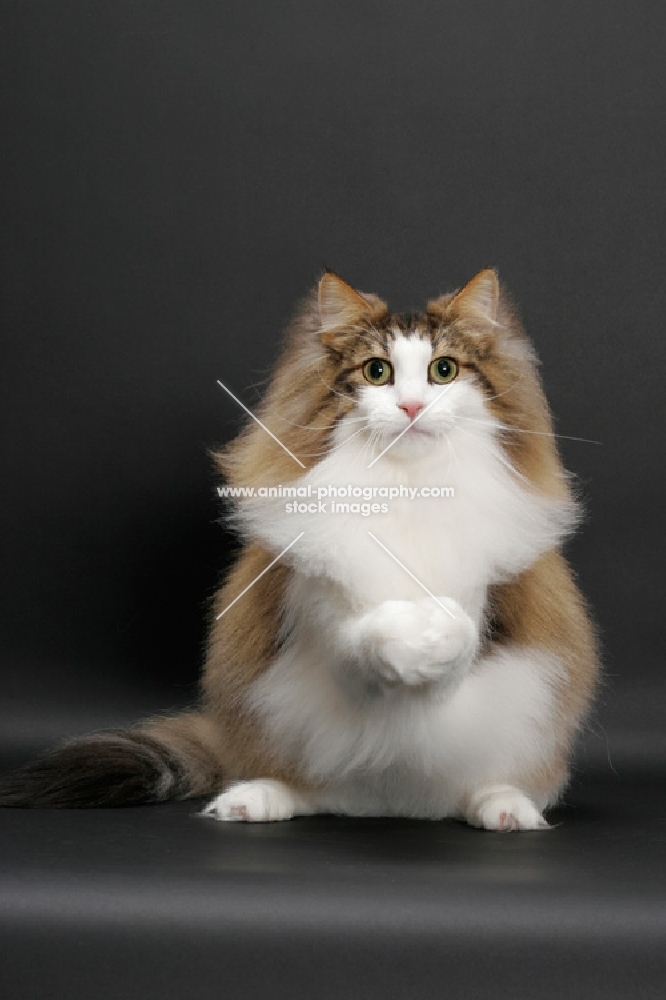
443,370
377,371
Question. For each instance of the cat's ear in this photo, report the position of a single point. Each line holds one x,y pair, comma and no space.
341,307
478,300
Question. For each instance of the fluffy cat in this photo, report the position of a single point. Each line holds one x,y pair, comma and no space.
428,657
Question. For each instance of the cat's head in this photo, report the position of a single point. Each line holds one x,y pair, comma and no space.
352,367
411,378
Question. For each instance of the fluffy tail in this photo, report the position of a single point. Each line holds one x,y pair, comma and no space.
175,757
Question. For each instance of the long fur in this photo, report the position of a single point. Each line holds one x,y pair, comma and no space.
296,715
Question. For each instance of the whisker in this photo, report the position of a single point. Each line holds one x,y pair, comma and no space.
504,391
374,329
452,455
315,427
259,384
330,387
522,430
369,445
329,451
498,454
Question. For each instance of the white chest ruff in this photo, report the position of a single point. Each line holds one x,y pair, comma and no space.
493,527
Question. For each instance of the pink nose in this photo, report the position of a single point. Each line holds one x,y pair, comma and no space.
411,408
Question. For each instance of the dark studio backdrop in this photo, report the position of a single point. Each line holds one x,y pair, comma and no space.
176,175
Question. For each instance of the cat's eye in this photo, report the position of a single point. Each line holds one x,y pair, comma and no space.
443,370
377,371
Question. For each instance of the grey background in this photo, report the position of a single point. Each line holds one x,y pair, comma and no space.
175,176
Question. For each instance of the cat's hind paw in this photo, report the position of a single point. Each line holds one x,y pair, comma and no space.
504,808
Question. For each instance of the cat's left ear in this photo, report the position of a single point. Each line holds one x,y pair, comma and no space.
478,300
341,307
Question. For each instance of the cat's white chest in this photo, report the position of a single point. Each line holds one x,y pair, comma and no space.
419,548
487,528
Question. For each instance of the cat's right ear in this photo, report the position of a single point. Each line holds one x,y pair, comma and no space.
341,307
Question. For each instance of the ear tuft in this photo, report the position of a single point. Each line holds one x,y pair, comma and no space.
479,298
340,305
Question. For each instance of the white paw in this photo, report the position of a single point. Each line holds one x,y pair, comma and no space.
420,642
504,808
253,802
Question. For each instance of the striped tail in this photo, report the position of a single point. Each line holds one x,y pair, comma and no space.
175,757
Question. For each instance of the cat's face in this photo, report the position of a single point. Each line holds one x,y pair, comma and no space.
412,379
419,387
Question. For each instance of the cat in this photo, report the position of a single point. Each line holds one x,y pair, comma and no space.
422,656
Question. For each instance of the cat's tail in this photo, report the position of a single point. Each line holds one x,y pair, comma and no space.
171,757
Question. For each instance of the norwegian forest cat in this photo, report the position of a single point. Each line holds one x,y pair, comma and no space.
423,656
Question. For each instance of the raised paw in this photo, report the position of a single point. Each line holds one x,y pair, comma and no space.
416,643
504,808
263,801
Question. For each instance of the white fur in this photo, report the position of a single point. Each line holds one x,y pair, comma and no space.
411,357
403,752
256,802
412,643
378,695
504,808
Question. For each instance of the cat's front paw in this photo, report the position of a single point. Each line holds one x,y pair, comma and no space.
504,808
262,801
416,643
